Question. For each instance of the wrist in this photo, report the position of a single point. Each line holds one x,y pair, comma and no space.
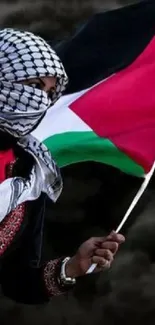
66,275
73,269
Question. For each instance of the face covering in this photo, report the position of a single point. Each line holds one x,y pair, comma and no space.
21,108
24,56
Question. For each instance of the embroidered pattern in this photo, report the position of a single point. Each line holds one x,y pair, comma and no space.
10,226
12,222
51,283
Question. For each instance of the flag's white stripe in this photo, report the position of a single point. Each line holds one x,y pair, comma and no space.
60,119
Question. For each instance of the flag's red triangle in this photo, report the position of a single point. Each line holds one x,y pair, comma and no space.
122,108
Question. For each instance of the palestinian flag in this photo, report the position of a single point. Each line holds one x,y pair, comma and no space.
108,113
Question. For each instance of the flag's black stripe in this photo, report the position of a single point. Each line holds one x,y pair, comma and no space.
109,42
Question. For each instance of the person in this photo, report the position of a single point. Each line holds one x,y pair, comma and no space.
32,78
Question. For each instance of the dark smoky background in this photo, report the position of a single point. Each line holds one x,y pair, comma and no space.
52,19
126,295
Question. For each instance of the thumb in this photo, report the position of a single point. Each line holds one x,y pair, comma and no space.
116,237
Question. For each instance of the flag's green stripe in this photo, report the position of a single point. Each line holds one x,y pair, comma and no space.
72,147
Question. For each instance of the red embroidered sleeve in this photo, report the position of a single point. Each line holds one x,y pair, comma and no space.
10,226
12,222
51,271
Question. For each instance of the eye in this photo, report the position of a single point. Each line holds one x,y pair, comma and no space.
36,85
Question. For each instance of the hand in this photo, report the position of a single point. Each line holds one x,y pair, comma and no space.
99,250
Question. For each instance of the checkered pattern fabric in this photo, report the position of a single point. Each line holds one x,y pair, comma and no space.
25,56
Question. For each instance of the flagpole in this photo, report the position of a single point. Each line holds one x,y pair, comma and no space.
131,207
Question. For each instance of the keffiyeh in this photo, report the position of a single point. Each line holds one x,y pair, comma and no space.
25,56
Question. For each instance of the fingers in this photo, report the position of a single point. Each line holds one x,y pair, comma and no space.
118,238
111,242
113,237
107,249
103,255
103,258
112,246
103,261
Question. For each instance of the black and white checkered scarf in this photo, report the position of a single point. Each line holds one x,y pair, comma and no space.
25,56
